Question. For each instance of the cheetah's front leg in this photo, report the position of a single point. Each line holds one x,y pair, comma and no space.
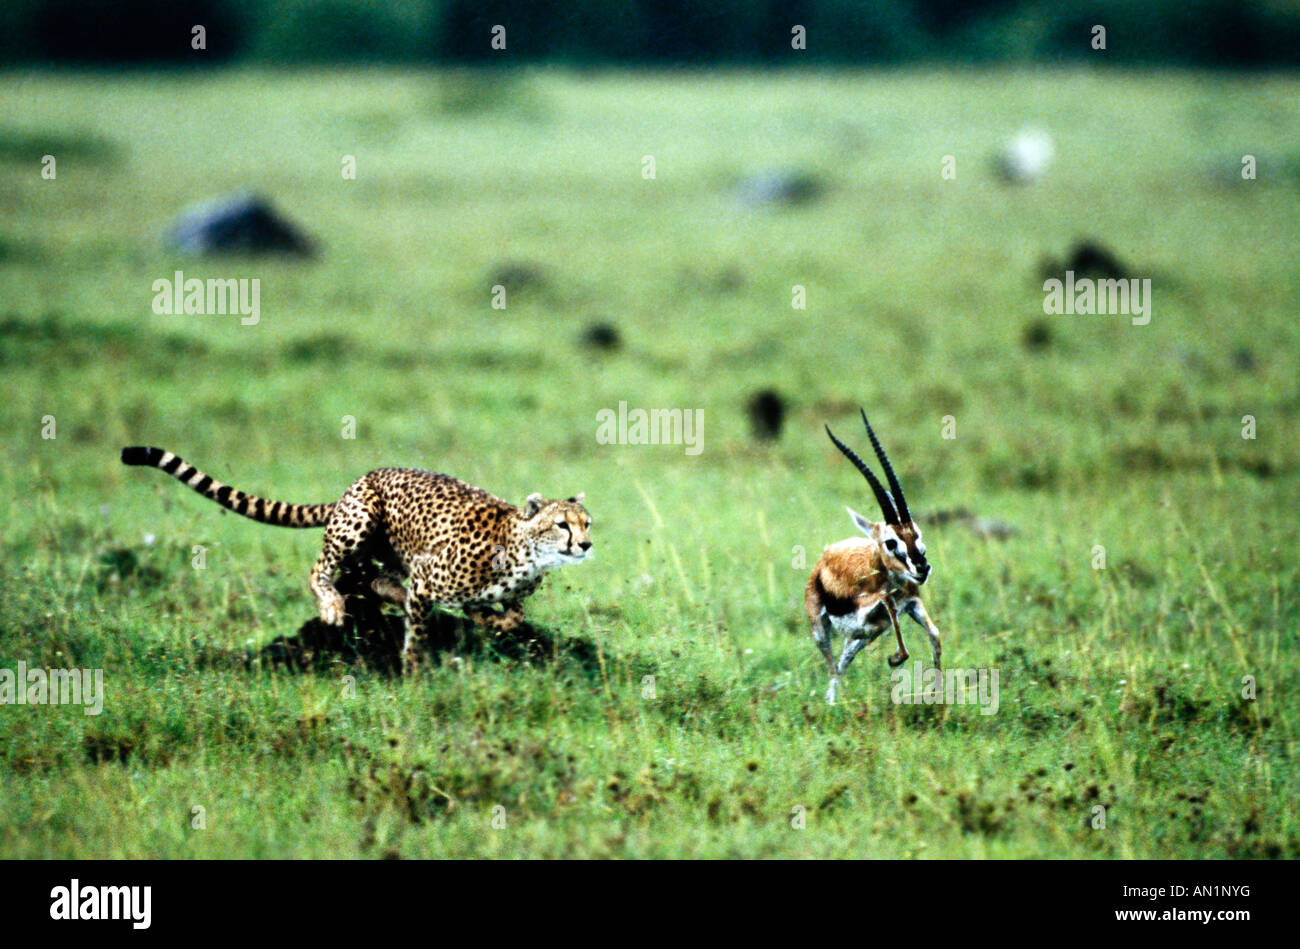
419,601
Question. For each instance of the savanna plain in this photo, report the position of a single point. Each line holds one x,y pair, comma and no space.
1137,599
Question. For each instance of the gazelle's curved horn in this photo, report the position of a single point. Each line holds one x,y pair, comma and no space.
898,498
882,496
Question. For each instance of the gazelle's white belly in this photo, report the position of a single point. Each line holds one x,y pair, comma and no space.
865,619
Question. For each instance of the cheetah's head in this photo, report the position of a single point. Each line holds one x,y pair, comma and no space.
561,530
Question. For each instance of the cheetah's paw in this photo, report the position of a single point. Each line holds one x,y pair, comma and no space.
331,611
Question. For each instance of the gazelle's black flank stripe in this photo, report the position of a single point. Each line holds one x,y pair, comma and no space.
279,513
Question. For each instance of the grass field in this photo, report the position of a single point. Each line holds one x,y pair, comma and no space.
1120,687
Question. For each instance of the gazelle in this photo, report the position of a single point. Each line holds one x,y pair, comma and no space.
860,585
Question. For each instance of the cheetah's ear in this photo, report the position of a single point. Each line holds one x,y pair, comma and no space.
533,504
578,498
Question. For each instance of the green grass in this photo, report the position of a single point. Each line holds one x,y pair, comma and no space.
1120,687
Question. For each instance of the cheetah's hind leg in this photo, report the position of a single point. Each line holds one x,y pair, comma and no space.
349,528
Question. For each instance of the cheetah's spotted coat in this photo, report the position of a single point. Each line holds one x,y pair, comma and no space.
460,547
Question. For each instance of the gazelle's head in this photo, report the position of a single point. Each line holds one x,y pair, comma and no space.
899,538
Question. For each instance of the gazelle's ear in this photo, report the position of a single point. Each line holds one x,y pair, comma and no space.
533,504
579,497
859,521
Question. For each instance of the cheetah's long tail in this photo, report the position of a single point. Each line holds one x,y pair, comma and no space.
249,505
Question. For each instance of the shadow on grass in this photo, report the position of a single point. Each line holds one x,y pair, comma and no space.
372,638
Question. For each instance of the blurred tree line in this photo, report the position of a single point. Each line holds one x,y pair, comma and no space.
1214,33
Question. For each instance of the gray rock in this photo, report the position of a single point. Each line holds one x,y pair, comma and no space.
788,188
243,223
989,528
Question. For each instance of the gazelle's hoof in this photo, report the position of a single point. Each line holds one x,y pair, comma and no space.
897,660
832,693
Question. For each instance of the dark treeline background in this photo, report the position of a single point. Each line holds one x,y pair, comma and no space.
1215,33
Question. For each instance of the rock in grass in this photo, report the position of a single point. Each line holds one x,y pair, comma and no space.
601,336
243,223
988,528
1092,259
780,188
1025,158
516,275
766,414
1087,258
1037,335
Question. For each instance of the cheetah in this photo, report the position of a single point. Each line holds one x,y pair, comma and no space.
458,546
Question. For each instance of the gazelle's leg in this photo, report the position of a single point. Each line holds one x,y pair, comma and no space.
876,634
852,647
900,657
916,610
821,634
824,643
863,635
